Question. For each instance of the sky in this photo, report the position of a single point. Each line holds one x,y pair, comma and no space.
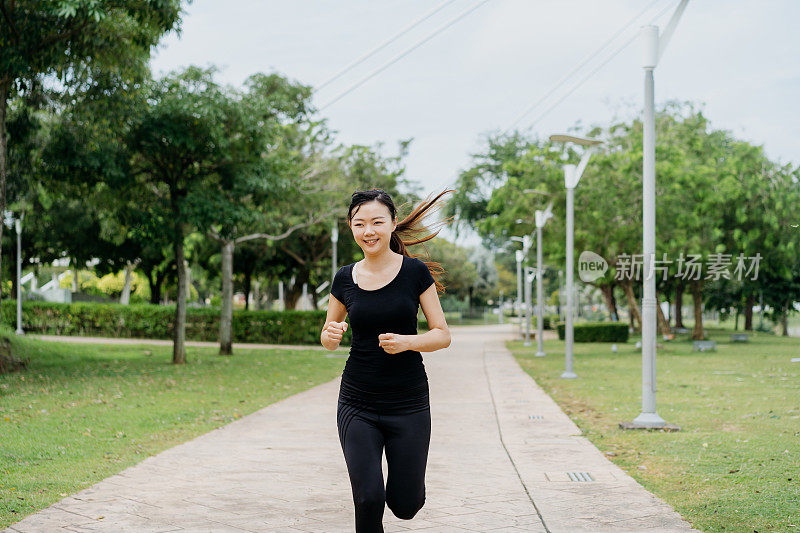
739,60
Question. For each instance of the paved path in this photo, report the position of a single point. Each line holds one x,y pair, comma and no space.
491,466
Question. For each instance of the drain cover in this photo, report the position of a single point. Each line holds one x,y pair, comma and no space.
580,476
535,417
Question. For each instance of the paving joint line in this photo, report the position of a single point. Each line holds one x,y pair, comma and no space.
500,433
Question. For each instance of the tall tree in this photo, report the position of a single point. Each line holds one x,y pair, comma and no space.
265,192
70,41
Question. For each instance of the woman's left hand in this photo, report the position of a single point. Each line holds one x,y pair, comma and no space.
393,343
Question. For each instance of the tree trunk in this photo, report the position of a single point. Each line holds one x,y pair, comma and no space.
697,297
75,281
13,260
257,295
155,285
179,333
201,295
296,290
785,321
248,279
5,85
736,320
636,317
226,313
679,305
750,301
125,297
661,321
611,302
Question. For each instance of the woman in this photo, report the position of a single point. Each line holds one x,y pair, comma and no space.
383,396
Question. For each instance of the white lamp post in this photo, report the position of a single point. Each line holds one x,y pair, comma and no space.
522,284
334,240
541,219
653,50
519,258
18,228
572,176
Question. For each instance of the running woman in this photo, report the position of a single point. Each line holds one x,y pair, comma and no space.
383,396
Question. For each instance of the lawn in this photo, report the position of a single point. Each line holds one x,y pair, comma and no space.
81,413
735,464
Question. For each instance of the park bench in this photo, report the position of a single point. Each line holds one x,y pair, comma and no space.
704,346
740,337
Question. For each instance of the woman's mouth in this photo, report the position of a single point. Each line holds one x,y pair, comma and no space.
370,242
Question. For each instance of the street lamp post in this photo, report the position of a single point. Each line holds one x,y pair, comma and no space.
18,228
334,240
653,49
519,258
572,176
521,298
541,219
530,272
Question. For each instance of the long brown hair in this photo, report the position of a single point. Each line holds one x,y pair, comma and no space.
410,230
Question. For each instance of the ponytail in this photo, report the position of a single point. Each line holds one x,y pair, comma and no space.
411,231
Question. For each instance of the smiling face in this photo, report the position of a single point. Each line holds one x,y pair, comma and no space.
372,227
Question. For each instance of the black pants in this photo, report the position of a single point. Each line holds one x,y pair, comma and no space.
406,437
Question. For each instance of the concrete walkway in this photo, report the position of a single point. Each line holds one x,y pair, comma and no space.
500,460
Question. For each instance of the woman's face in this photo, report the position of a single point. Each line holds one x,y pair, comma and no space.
372,227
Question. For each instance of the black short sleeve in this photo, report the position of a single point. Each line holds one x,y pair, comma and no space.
337,286
424,277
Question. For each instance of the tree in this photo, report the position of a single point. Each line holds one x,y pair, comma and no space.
180,145
71,41
265,192
713,197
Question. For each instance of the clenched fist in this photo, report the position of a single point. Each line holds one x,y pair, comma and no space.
392,342
335,330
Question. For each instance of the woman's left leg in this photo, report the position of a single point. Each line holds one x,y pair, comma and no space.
407,439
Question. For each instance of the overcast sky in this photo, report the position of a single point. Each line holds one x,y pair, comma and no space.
740,59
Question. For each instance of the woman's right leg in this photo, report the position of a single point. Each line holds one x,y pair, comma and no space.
362,444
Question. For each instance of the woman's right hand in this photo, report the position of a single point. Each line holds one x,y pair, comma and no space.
335,331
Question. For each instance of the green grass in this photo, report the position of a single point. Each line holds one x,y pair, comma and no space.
735,464
81,413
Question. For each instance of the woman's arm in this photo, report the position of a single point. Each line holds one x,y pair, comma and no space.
437,338
335,327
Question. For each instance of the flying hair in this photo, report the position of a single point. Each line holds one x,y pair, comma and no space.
412,229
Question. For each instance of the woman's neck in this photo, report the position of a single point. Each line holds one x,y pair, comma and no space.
380,262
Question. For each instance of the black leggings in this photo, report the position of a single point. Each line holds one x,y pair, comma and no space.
363,435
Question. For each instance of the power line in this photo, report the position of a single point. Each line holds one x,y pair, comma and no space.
403,54
601,65
384,44
588,58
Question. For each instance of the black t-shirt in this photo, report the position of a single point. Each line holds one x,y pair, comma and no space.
373,377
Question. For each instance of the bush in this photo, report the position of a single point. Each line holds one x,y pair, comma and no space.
597,331
156,322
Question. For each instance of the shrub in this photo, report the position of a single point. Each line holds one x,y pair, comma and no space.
156,322
597,331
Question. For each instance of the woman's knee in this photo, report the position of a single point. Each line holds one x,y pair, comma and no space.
370,499
406,509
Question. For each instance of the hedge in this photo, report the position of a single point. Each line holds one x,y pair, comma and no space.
148,321
597,331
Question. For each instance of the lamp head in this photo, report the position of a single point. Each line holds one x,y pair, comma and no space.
572,139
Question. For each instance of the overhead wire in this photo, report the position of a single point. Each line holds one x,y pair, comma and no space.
580,65
403,54
384,44
601,65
